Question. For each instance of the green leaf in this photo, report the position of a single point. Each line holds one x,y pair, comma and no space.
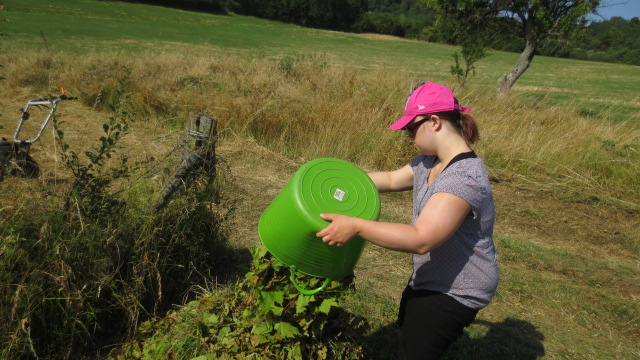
212,319
262,328
228,342
258,253
247,314
286,330
295,352
302,302
224,331
326,305
271,301
204,357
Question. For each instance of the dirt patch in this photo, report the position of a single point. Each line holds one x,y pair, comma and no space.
382,37
256,176
593,230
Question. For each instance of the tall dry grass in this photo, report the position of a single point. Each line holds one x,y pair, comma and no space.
554,148
310,106
305,107
82,263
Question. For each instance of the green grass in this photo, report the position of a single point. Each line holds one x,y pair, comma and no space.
605,91
589,300
550,304
564,292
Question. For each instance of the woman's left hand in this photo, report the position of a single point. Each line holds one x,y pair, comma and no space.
340,231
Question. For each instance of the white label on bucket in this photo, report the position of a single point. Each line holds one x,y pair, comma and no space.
338,195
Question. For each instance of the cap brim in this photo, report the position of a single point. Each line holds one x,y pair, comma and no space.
402,122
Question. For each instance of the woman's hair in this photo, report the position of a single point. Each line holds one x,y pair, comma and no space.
463,122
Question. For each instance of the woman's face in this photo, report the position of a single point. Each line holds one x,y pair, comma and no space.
420,131
415,124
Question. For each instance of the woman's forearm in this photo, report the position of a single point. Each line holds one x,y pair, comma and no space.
393,236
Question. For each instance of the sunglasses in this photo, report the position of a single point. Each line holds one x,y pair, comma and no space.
412,127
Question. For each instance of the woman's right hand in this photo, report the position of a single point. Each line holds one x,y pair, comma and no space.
342,229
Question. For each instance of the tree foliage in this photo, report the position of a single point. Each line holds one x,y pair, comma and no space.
536,20
212,6
404,18
614,40
326,14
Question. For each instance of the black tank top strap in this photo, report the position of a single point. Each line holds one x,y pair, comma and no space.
461,156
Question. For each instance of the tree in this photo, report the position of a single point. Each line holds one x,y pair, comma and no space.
536,20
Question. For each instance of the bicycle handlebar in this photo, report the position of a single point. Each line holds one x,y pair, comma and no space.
51,103
43,101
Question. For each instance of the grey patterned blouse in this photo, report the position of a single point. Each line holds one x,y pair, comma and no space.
465,266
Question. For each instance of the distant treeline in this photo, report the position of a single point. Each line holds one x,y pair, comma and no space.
616,40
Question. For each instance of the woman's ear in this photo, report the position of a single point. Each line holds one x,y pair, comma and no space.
437,122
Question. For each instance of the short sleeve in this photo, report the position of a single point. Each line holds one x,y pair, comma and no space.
463,182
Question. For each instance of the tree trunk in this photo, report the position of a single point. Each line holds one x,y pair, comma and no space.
507,80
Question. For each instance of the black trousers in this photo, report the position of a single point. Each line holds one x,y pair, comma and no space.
429,323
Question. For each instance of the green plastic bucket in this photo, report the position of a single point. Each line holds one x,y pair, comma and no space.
289,225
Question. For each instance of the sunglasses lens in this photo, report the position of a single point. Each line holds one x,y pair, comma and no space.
409,129
413,127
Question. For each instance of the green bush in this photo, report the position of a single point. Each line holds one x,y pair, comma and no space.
262,316
83,271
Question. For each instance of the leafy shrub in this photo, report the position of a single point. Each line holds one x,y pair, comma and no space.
263,315
85,269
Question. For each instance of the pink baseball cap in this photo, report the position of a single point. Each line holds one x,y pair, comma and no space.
428,99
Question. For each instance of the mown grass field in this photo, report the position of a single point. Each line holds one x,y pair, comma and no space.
595,89
563,151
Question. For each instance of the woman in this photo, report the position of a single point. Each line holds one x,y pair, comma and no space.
455,270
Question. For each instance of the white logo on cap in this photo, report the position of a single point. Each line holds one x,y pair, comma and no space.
420,107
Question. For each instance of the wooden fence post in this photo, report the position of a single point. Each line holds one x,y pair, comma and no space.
201,137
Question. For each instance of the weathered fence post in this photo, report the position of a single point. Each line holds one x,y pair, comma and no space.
201,137
415,83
